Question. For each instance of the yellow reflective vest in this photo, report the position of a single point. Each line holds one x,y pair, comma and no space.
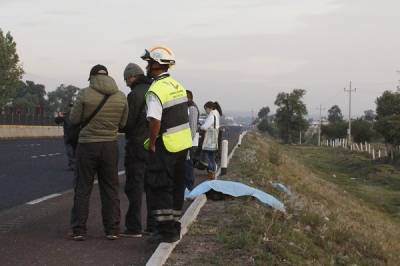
175,129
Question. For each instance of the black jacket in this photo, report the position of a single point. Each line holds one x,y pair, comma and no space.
137,126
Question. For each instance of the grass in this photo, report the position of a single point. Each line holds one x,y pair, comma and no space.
329,220
376,183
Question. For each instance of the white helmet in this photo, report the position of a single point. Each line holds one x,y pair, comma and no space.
160,54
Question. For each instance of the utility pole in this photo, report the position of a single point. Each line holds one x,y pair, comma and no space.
350,90
320,124
398,86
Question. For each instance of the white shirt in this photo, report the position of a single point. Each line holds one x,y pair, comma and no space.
154,107
210,120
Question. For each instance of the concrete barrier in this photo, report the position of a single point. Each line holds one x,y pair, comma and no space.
15,131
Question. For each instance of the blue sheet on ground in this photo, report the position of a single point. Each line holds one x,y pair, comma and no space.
236,189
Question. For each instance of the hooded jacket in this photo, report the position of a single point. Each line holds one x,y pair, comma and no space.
137,128
112,116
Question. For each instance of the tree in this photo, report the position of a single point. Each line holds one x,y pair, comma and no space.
60,99
335,130
369,115
263,112
10,69
29,96
335,114
362,130
388,118
290,114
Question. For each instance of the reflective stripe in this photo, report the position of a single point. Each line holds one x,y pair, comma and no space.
179,141
164,218
160,212
174,102
177,128
176,212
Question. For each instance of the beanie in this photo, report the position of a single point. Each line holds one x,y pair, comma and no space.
132,70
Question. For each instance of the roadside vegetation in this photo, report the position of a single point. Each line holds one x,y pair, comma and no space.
343,210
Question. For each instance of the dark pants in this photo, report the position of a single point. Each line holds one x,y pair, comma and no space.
165,179
99,158
189,170
70,155
135,165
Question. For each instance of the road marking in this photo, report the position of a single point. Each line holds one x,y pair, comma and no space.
36,201
46,155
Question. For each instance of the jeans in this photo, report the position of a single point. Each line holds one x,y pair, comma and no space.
212,165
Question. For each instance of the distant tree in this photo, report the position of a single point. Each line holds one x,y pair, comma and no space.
388,118
362,130
29,96
334,130
263,125
59,99
263,112
335,114
290,114
388,104
10,69
369,115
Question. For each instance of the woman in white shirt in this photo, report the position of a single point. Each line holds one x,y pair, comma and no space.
210,143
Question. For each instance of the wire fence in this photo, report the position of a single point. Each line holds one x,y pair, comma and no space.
18,118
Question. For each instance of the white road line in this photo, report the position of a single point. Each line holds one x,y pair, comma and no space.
121,173
36,201
34,157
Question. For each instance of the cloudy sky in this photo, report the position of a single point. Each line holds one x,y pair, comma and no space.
241,53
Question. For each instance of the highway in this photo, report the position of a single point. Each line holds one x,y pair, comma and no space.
36,197
31,169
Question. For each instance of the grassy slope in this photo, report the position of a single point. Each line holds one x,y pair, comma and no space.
377,184
326,222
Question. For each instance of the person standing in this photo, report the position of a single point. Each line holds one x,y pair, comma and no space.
170,139
193,122
136,131
63,118
97,151
210,143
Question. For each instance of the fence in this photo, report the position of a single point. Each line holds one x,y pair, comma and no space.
34,119
375,151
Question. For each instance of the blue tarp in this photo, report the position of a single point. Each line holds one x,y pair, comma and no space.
236,189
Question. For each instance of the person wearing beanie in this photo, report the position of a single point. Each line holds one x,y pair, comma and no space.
136,131
104,110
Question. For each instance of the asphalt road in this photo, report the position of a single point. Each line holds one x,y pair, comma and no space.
31,169
37,233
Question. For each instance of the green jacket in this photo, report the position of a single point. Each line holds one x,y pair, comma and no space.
112,116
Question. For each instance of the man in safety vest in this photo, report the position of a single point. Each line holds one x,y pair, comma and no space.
170,138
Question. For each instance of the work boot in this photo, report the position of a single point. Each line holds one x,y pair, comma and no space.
211,176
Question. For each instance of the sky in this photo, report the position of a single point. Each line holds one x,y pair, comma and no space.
239,53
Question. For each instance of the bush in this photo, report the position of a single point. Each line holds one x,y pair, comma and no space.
362,130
